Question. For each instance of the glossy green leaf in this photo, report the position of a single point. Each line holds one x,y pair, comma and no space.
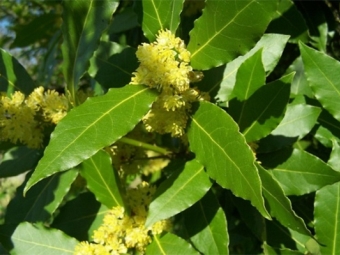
83,24
182,189
323,77
279,205
36,239
289,21
160,15
250,77
263,111
215,139
228,29
102,180
13,75
170,244
272,47
297,122
334,159
80,216
206,225
299,172
98,122
327,218
299,84
268,250
18,160
329,129
42,200
112,71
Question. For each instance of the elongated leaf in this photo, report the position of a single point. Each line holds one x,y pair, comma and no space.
272,47
329,129
101,179
42,201
83,24
36,239
180,191
289,21
334,159
250,77
327,218
263,111
280,206
218,145
169,244
158,15
268,250
298,121
206,225
299,172
228,29
322,74
18,160
299,84
98,122
13,75
80,216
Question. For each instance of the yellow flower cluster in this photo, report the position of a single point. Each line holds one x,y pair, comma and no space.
164,65
23,119
121,232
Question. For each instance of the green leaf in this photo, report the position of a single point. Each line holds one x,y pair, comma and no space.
327,218
180,191
160,15
169,244
42,200
279,205
228,29
250,77
40,240
123,21
79,217
299,84
206,225
114,70
298,121
299,172
215,139
322,75
102,180
18,160
13,75
83,24
334,159
263,111
268,250
329,129
97,123
272,47
289,21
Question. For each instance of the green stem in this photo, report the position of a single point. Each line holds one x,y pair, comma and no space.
144,145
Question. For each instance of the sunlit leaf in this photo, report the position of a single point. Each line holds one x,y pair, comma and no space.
327,218
170,244
227,29
206,225
272,47
83,24
101,179
98,122
36,239
13,75
263,111
268,250
41,201
334,159
18,160
215,139
299,172
279,205
160,15
322,74
182,189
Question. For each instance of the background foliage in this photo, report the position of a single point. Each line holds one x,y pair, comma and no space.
260,171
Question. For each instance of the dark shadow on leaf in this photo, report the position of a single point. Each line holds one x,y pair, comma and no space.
273,143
